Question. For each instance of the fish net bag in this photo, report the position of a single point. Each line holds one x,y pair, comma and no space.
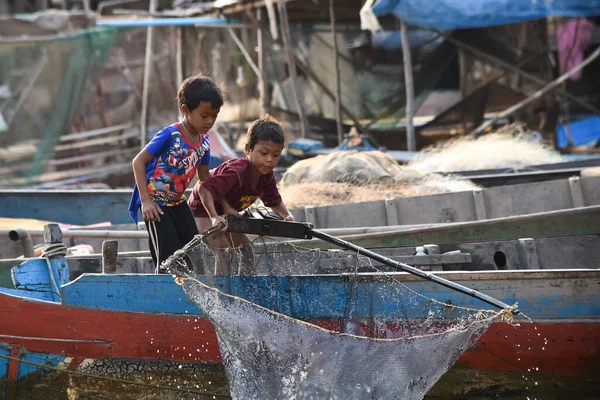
300,323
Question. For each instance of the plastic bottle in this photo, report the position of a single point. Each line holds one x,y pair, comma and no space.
420,251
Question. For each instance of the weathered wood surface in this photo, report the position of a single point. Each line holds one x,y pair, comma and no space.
577,221
150,317
565,252
93,206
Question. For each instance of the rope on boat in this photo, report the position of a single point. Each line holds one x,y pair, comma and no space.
55,339
125,381
55,249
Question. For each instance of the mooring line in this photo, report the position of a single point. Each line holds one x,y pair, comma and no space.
100,341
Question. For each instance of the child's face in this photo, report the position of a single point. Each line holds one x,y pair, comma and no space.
202,117
264,156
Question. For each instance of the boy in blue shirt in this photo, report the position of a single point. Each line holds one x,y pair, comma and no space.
166,166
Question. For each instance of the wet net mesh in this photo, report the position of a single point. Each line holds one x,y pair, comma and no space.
313,324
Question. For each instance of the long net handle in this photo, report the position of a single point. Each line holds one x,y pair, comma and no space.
415,271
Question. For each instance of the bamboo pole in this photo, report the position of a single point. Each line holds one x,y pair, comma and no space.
316,79
263,88
146,84
179,61
287,45
245,53
409,87
338,94
552,85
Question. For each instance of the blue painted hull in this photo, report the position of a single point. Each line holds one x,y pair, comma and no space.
148,317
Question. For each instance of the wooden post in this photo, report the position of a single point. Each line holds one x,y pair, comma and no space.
464,86
409,86
146,84
52,234
287,45
338,94
309,73
179,61
464,73
263,87
101,108
552,85
110,250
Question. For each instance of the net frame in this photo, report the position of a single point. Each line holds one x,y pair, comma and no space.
285,368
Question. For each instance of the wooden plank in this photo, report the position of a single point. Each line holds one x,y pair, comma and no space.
578,221
479,201
437,259
55,176
93,156
31,275
391,212
96,142
528,254
576,191
95,132
309,215
110,249
235,7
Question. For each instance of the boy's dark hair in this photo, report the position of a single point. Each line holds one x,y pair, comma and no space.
266,128
199,88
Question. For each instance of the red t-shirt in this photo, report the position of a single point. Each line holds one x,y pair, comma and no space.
232,181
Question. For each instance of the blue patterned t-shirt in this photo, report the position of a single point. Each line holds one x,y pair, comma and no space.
173,167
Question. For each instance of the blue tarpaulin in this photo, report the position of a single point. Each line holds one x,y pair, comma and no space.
462,14
583,132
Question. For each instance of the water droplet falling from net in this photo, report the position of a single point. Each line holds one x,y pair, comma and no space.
299,331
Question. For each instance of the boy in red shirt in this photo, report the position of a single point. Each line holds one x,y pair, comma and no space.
237,183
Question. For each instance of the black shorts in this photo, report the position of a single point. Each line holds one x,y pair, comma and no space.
174,230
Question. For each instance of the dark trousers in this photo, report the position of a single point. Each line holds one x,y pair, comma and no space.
174,230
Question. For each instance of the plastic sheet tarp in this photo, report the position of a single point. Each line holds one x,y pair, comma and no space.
582,133
460,14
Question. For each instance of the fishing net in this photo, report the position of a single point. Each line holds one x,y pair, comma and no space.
53,76
312,324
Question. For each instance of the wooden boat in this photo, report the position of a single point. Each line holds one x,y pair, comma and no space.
104,324
551,240
73,206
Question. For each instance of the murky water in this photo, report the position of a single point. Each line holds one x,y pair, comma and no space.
186,381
